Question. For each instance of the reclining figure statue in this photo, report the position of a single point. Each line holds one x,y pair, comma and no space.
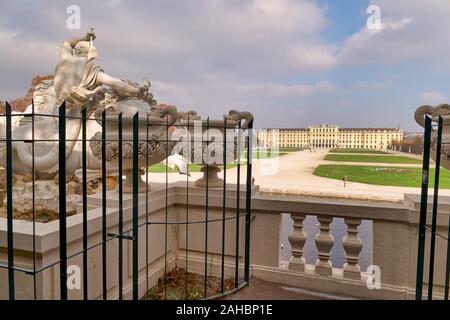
81,83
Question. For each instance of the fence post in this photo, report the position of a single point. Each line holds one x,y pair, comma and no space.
434,214
9,207
224,204
120,208
238,204
104,258
62,202
205,293
248,197
423,207
84,182
135,203
447,263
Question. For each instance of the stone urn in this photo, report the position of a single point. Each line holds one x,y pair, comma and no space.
155,128
434,112
207,139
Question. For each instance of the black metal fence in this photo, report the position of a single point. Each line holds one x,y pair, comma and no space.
432,143
123,234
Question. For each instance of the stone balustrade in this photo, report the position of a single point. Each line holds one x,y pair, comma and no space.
324,242
393,244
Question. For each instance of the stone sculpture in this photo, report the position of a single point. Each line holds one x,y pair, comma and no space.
79,82
84,86
442,110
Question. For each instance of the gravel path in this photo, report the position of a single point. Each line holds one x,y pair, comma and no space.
293,173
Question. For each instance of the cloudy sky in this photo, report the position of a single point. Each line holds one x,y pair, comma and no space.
290,62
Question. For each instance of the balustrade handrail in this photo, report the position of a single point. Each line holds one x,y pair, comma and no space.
339,208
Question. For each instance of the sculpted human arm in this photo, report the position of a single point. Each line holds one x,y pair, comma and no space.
69,44
124,89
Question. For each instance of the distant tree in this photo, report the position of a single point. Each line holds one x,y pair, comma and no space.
408,145
20,104
394,145
417,145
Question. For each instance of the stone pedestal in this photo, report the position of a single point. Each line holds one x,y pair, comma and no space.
210,175
128,182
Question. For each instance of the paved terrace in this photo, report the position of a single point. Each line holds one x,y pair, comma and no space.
259,289
393,244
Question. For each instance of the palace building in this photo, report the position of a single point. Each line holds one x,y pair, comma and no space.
329,136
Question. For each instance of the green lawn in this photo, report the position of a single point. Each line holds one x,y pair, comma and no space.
368,151
161,168
265,154
371,158
385,176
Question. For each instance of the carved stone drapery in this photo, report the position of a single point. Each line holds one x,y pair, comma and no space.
297,239
324,243
112,147
352,246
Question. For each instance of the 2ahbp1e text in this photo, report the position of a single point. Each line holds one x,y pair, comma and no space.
231,309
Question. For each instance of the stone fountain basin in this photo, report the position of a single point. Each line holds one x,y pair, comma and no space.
199,139
153,130
208,146
153,146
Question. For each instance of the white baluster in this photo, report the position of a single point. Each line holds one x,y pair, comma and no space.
297,239
324,243
352,246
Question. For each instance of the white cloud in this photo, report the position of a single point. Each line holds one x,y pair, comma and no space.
373,85
203,55
248,38
21,61
228,93
265,90
433,97
173,93
211,55
313,57
302,16
412,30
